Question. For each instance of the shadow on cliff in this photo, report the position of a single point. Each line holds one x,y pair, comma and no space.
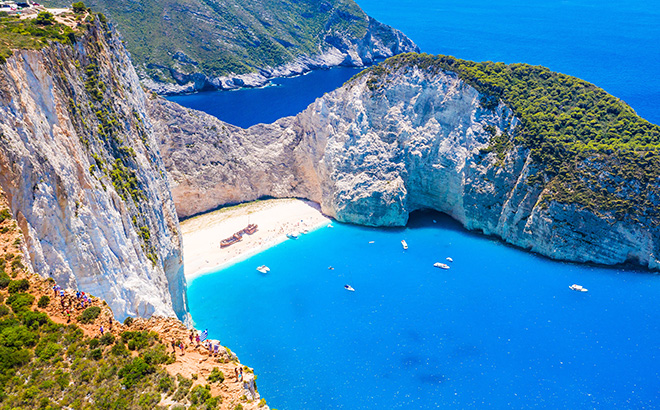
425,218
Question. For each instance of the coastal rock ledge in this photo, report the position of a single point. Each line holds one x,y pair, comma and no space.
383,146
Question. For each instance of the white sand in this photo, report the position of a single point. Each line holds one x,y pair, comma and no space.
274,217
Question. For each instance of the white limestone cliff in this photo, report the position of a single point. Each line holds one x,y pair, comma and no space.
379,148
84,177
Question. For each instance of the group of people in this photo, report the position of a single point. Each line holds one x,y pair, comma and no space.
68,302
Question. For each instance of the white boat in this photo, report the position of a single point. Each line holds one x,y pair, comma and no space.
293,235
331,268
441,265
263,269
349,288
371,241
404,244
450,260
578,288
330,226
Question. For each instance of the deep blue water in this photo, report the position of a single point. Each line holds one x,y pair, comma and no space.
499,329
286,96
613,44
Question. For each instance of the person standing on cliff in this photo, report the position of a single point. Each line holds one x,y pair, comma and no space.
236,372
173,346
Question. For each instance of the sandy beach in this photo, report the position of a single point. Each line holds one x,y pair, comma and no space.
275,218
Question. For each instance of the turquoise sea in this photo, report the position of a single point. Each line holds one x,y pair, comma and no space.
500,328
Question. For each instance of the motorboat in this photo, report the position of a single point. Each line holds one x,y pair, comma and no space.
372,241
349,288
331,268
441,265
404,244
450,260
263,269
330,226
293,235
578,288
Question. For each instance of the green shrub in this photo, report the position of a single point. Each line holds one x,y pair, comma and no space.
128,321
43,302
119,349
199,394
136,340
20,301
4,311
136,370
94,343
107,339
90,314
4,280
149,400
18,337
44,18
34,320
165,383
18,286
95,354
78,7
216,376
157,355
47,350
4,215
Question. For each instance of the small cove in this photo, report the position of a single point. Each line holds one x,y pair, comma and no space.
500,328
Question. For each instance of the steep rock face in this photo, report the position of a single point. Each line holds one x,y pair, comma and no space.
379,42
376,150
84,177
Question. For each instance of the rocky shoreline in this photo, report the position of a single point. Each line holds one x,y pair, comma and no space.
379,43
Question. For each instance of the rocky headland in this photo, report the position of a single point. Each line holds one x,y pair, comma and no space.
422,133
378,43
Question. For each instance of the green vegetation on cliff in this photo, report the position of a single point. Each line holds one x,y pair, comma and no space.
588,145
31,34
218,38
